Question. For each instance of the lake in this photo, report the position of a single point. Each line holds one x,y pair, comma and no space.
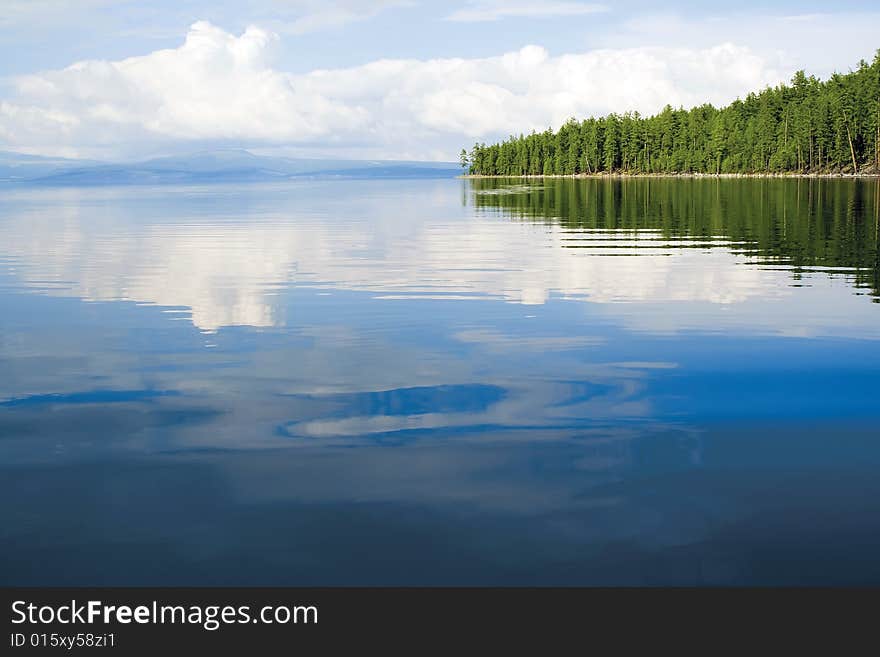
450,381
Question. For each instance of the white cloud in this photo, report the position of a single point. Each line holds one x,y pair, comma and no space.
17,12
820,43
493,10
289,16
313,15
218,87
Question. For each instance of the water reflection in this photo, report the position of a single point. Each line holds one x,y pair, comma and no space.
225,257
470,381
805,225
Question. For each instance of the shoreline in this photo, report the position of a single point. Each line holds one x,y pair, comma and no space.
871,174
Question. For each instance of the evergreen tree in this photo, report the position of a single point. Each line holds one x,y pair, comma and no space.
809,126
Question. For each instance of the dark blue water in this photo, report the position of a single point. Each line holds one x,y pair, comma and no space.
441,382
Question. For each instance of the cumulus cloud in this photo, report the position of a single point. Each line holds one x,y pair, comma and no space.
493,10
219,87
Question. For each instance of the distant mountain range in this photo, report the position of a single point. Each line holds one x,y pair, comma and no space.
233,165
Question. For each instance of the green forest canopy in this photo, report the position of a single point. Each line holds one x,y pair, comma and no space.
809,126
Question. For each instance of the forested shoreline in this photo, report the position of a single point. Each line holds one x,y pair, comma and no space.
807,127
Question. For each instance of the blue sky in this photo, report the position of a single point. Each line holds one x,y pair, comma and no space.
389,78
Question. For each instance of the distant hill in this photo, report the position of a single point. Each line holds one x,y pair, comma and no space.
18,166
231,165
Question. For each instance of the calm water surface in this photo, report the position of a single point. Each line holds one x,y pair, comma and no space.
441,382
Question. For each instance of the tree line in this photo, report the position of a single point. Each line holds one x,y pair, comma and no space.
808,126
